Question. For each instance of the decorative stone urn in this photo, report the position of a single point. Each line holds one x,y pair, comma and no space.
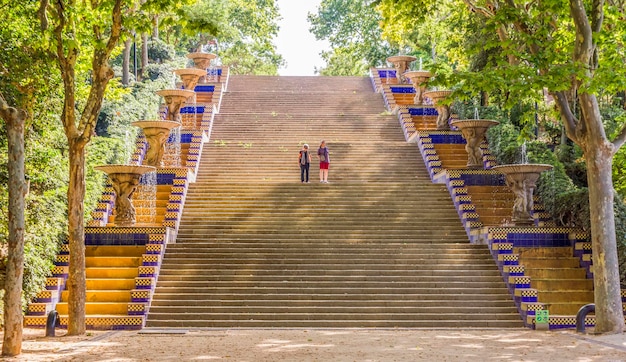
175,99
156,133
443,110
190,76
522,178
124,179
418,79
201,60
401,64
473,131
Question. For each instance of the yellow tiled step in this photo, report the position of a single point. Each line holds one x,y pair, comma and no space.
112,272
103,296
99,322
115,250
488,192
565,308
120,308
561,296
541,252
425,123
142,219
453,149
146,211
495,220
110,284
565,273
562,284
570,262
113,261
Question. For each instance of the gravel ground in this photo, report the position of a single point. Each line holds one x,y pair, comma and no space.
323,345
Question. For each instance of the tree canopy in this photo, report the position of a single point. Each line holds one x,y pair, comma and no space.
351,27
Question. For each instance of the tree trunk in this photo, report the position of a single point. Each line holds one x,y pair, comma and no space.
126,62
606,280
155,27
144,52
76,283
13,318
598,153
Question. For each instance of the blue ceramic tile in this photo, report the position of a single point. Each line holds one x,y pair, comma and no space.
422,111
402,90
204,88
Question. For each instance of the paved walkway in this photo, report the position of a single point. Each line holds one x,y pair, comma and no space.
324,345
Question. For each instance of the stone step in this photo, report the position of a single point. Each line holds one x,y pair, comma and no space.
359,314
173,305
169,278
322,249
203,268
488,322
237,246
360,263
301,226
410,286
254,250
269,207
332,293
451,238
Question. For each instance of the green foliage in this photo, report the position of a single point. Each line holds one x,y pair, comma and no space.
159,51
562,190
342,62
138,102
351,28
243,29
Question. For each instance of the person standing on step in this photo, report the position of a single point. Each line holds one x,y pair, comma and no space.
323,154
305,162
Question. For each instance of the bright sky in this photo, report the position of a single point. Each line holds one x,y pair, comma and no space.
294,42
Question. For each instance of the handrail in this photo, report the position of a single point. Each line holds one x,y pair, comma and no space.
580,316
51,322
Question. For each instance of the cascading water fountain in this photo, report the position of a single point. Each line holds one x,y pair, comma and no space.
190,76
145,197
157,133
125,179
443,110
419,79
174,100
401,64
202,61
474,130
171,156
522,179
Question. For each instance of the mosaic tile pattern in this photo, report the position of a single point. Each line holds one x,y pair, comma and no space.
154,238
145,283
380,76
137,309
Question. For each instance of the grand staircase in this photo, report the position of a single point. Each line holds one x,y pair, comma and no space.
380,245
